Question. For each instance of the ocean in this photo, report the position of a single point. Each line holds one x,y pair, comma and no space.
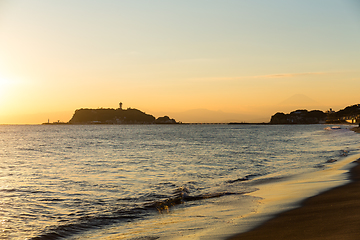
148,182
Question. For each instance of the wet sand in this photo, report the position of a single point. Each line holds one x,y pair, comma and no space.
334,214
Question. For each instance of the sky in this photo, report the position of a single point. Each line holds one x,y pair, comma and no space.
197,61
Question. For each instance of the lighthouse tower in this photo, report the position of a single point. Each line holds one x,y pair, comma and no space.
120,105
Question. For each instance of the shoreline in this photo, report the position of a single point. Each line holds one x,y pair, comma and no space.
333,214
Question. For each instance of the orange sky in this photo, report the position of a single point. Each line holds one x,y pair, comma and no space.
235,60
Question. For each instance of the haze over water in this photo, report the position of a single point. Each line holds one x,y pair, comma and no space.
151,181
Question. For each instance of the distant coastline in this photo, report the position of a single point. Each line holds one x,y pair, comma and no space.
348,115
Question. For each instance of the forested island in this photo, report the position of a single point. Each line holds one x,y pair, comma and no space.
117,116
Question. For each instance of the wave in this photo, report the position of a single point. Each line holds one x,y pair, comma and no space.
246,178
340,154
146,238
88,222
182,195
8,190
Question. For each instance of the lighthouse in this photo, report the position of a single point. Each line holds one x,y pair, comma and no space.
120,105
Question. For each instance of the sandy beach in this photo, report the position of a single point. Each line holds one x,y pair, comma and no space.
334,214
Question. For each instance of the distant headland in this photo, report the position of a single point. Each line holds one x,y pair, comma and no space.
350,114
115,116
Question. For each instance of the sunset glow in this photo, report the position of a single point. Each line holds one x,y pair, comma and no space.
240,57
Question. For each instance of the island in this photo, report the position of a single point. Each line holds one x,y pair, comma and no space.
115,116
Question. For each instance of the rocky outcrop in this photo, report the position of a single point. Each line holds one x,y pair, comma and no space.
165,120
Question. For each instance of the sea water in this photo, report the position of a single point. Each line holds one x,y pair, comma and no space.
151,181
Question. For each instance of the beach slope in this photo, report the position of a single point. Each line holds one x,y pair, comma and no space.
334,214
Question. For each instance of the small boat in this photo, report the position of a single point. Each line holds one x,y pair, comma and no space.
333,128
